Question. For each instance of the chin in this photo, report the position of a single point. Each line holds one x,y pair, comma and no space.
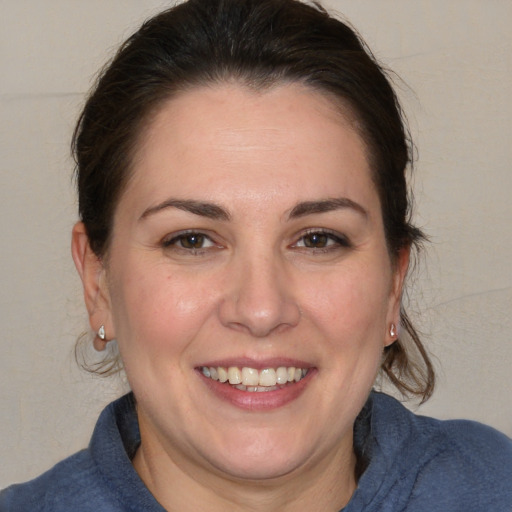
261,459
259,469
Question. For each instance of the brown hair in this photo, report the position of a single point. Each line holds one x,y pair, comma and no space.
258,43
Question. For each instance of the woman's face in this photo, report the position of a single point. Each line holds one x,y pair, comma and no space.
250,242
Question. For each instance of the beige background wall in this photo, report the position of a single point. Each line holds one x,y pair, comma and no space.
455,57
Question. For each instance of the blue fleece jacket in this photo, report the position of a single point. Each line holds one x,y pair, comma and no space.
414,464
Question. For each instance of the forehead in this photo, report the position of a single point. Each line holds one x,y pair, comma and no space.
227,140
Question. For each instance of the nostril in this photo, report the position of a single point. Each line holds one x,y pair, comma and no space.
258,298
257,320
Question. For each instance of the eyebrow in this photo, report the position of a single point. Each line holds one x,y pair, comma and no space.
326,205
201,208
215,212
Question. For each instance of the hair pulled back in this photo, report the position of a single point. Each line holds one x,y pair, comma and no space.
257,43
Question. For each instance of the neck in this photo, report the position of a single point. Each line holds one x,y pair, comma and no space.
181,485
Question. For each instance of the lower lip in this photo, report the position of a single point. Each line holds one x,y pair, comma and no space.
258,400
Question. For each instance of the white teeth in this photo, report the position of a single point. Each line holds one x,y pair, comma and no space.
268,377
255,389
250,379
222,374
282,375
234,375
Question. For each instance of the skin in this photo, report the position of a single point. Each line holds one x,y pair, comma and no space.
255,290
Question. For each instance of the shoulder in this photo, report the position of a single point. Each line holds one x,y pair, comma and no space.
477,443
98,478
70,485
471,467
421,464
454,465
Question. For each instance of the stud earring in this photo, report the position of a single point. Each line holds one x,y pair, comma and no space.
101,333
392,331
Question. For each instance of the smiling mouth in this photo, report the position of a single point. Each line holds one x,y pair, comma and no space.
253,380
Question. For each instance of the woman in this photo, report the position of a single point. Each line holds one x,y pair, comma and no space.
245,238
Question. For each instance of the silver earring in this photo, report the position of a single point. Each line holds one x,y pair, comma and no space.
392,331
101,333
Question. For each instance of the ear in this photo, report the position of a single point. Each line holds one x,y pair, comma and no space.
401,266
92,272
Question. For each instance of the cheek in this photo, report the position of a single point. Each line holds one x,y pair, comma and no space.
157,310
351,306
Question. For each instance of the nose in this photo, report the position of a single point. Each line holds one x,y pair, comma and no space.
259,298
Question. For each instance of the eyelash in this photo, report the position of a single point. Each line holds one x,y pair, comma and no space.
333,241
177,240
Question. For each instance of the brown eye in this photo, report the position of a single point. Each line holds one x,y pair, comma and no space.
192,241
316,240
322,240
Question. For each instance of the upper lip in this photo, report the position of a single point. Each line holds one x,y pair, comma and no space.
257,364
